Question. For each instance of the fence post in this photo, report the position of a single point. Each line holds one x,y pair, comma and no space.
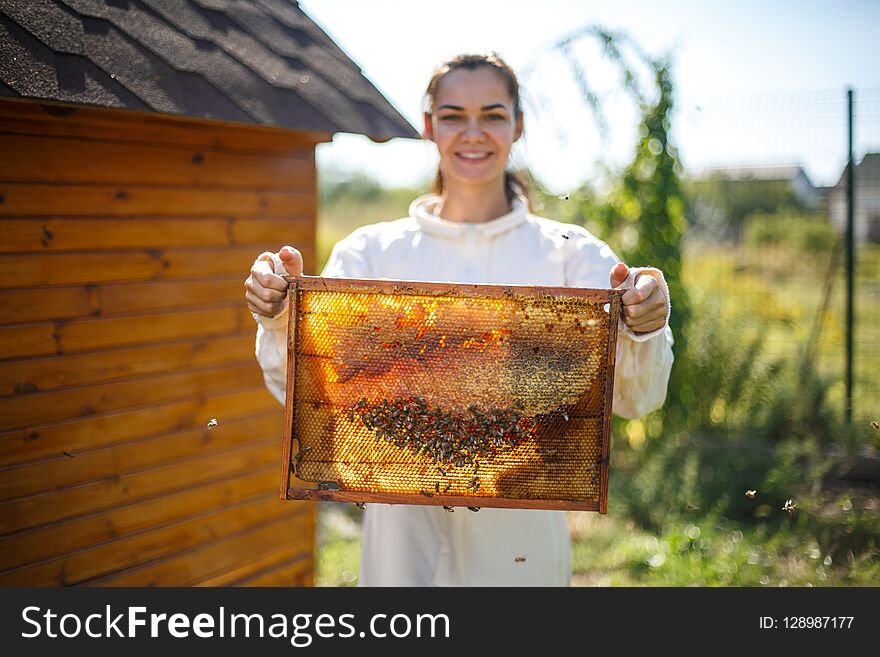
850,257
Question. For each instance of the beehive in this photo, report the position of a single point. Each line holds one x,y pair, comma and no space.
450,394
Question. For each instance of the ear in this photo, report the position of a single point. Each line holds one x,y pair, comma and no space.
428,131
519,127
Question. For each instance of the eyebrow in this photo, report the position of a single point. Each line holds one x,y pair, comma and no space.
483,109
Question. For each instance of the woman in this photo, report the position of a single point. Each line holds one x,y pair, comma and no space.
476,229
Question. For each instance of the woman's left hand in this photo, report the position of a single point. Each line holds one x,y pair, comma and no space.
644,307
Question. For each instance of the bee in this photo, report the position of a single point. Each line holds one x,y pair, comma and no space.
441,471
436,486
68,454
875,425
565,237
328,485
563,197
360,505
448,486
520,559
751,493
427,493
212,423
789,506
474,508
692,507
449,509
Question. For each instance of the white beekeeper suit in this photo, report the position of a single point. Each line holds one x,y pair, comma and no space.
410,545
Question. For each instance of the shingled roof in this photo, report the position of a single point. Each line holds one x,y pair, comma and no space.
250,61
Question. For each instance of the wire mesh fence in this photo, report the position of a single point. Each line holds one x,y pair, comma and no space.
768,222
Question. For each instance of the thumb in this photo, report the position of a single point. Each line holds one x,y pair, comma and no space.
619,272
292,260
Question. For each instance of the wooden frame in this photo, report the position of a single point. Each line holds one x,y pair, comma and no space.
399,287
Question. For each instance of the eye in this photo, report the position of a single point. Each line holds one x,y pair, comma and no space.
496,117
450,117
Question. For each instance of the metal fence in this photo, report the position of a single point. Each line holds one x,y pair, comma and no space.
773,221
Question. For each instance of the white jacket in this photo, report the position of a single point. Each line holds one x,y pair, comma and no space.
410,545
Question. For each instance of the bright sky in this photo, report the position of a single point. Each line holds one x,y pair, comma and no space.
757,82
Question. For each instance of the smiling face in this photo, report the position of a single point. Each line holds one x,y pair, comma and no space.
474,123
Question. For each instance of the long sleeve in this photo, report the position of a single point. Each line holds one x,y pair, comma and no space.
348,260
643,362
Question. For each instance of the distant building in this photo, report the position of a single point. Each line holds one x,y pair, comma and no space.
866,214
793,174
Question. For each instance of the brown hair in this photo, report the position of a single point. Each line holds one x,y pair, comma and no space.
514,185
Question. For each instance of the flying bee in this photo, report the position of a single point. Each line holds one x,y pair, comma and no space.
751,493
563,197
474,508
212,423
68,454
449,509
519,559
789,506
360,505
875,425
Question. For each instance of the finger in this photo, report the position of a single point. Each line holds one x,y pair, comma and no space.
648,322
643,289
639,312
292,260
262,271
267,294
257,305
654,301
619,272
648,327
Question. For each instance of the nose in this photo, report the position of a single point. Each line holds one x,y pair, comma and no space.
473,131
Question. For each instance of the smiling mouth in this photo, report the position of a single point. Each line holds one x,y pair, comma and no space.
474,157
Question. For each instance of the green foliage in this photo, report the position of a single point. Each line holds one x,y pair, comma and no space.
720,205
810,233
650,211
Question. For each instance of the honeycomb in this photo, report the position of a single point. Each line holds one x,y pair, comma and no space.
431,393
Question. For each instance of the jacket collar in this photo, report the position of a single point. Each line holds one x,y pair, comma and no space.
422,210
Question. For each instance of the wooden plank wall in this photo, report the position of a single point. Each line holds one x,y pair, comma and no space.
126,238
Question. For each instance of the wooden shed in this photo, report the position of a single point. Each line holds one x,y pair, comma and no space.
150,150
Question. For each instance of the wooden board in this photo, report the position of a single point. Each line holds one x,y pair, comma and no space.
29,375
55,473
59,234
48,507
122,126
42,199
218,556
55,539
33,443
73,159
175,555
36,270
72,403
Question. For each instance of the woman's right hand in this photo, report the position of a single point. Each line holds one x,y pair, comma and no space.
266,291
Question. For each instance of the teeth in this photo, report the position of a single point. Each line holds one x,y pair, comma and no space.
474,156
